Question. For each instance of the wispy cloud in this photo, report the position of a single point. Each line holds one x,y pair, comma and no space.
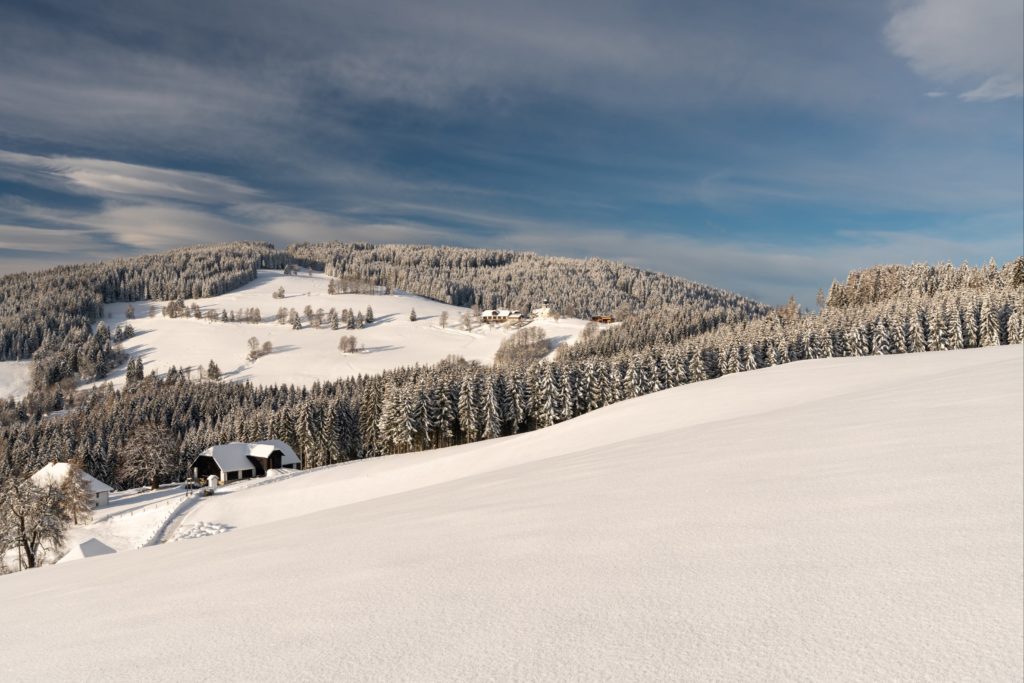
104,178
952,41
719,140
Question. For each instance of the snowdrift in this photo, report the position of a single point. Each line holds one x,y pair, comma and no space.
843,519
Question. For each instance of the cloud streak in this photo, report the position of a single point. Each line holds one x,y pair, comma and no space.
717,140
951,41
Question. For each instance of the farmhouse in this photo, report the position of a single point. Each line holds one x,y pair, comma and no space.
500,315
56,472
235,460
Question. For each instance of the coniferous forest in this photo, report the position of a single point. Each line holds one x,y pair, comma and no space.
673,332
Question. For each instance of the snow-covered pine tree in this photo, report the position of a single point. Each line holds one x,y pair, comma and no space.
469,398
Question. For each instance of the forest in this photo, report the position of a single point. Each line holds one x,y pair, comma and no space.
881,310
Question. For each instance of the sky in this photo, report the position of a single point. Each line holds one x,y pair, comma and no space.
765,148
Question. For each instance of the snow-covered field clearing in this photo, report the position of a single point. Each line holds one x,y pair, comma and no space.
304,356
15,378
842,519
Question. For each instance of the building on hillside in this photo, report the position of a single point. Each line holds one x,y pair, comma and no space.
88,548
234,461
544,310
56,472
603,319
500,315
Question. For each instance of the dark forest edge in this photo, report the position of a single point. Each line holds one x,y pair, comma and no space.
676,332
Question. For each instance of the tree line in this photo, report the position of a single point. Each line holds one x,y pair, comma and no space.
457,402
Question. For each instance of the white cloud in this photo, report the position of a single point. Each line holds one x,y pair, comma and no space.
104,178
996,88
963,42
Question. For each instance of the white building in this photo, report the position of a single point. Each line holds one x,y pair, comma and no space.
236,460
56,472
500,315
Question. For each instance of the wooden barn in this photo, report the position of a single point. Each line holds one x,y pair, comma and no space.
234,461
603,319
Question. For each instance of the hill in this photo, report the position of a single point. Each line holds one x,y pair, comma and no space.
307,355
837,519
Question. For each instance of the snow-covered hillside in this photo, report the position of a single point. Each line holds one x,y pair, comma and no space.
307,355
842,519
15,378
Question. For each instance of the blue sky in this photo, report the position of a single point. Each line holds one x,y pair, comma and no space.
760,147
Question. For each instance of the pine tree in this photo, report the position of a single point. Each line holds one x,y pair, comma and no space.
469,393
881,344
989,323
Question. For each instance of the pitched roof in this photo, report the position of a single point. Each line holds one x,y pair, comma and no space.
263,449
230,457
234,456
57,472
88,548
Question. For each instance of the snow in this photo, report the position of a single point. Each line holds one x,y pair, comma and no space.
199,530
88,548
15,378
57,472
304,356
840,519
130,520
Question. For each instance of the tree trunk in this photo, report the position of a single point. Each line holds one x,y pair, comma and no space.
30,556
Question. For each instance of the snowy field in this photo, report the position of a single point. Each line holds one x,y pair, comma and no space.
841,519
304,356
15,378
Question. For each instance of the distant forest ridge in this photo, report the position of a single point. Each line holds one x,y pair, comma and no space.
48,313
520,280
880,310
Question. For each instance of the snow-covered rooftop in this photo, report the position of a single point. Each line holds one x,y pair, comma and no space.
234,456
57,472
88,548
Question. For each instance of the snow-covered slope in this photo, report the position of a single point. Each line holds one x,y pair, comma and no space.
844,519
15,378
304,356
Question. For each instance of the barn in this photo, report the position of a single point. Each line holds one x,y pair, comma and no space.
234,461
56,472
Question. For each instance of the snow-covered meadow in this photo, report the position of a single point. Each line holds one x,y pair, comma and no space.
15,378
307,355
841,519
300,357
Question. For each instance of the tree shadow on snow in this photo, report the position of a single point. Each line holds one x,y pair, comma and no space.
386,347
